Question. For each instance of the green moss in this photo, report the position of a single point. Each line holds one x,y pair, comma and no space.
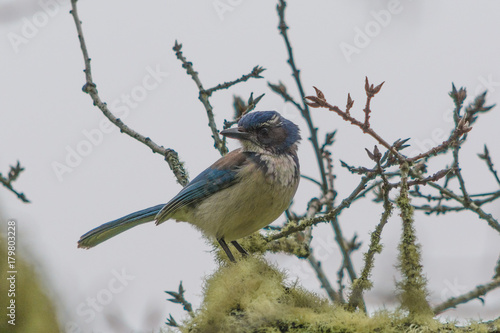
363,282
252,296
256,243
413,291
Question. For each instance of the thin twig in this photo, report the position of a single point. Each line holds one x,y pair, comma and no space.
12,176
203,96
444,209
296,75
255,73
280,89
487,158
470,206
346,254
311,180
305,223
497,269
340,281
458,174
363,283
343,249
440,209
475,293
178,298
325,283
370,93
320,101
90,88
242,109
313,208
423,181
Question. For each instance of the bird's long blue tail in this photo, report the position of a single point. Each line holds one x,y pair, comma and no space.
113,228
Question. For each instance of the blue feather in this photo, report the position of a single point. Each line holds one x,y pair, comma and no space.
115,227
217,177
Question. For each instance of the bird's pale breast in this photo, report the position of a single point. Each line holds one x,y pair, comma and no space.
264,190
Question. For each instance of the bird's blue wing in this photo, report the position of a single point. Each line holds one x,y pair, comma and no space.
222,174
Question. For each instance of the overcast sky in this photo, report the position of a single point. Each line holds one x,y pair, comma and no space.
81,172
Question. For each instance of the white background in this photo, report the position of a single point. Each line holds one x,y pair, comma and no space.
418,51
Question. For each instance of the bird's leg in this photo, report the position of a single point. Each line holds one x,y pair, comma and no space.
239,248
222,243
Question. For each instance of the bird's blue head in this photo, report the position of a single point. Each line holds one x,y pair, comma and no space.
265,130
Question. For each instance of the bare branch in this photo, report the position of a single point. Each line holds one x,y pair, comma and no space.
241,109
296,75
319,101
255,73
280,89
311,180
305,223
12,176
203,96
91,88
178,298
325,283
371,91
470,206
473,294
487,158
423,181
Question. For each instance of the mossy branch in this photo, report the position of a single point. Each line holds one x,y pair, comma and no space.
413,286
363,283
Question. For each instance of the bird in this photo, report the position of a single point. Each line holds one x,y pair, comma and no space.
241,193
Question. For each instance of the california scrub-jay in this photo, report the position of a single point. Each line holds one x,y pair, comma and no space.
242,192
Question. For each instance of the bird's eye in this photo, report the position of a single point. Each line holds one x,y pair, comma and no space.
264,132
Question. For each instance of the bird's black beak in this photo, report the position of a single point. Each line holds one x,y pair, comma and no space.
236,133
